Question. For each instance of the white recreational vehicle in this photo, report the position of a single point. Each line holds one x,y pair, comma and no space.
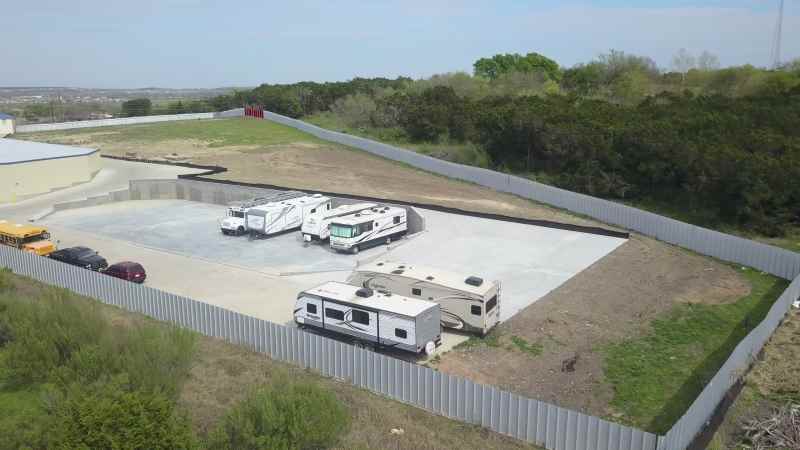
468,303
316,227
371,318
367,228
284,215
234,224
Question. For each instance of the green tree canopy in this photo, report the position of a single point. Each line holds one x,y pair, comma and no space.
137,107
501,64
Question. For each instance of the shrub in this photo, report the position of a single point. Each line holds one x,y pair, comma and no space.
111,415
283,415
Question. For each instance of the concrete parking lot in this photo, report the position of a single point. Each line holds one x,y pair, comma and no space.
180,244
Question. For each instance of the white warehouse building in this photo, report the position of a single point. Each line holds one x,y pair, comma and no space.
32,168
6,124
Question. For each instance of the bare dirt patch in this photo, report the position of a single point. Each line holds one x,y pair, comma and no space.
614,299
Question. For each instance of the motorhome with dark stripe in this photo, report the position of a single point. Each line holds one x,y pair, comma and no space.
468,303
285,215
316,227
368,228
371,318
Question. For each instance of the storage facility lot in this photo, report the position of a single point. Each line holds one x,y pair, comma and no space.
529,261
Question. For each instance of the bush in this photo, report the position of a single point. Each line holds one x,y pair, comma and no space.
111,415
283,415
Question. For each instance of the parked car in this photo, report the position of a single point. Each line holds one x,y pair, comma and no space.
127,270
81,257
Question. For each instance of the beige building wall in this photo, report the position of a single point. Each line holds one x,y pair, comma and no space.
6,127
23,180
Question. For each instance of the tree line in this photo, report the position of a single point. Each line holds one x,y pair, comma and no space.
722,141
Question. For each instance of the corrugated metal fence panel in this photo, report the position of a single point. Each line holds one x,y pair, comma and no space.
32,128
451,396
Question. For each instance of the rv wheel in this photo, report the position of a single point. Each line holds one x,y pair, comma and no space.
354,250
430,347
388,240
240,231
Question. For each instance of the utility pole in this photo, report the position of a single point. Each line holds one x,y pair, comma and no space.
776,41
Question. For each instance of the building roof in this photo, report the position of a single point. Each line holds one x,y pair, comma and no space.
410,307
368,214
4,116
428,274
13,151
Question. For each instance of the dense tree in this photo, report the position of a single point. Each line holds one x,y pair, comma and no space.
498,65
137,107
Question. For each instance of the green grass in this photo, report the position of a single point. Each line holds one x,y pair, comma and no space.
656,377
490,340
19,411
216,132
533,349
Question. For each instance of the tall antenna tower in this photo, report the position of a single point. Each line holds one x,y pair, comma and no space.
776,40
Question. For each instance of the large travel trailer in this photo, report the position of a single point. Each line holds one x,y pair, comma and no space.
234,224
468,302
367,228
371,318
316,227
277,217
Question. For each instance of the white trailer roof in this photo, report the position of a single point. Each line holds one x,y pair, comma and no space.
293,201
397,304
13,151
368,214
343,210
429,274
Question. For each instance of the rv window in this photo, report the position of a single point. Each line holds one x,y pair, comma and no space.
396,219
313,210
238,214
334,314
476,310
342,231
360,317
401,333
328,206
311,308
364,227
416,291
491,304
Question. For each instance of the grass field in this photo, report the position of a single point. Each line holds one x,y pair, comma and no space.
216,133
656,377
219,376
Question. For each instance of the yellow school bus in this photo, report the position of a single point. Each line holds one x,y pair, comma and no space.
27,238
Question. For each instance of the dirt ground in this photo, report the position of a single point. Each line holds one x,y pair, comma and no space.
613,299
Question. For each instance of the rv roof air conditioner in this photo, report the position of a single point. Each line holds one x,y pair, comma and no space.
364,292
474,281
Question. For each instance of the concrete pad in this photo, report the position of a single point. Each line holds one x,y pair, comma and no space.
529,261
183,251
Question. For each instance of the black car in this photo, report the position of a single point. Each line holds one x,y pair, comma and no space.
81,257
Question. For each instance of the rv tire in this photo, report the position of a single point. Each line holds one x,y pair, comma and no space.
354,250
388,240
240,231
430,347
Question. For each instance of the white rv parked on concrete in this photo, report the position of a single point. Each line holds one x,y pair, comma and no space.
234,221
279,216
371,318
367,228
316,227
468,302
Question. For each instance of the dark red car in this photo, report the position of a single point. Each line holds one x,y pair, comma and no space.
127,270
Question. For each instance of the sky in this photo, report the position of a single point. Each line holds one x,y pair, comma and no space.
204,44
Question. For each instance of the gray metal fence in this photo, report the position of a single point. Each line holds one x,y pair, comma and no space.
776,261
32,128
530,420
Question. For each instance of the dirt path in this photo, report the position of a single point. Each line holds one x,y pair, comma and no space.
613,299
